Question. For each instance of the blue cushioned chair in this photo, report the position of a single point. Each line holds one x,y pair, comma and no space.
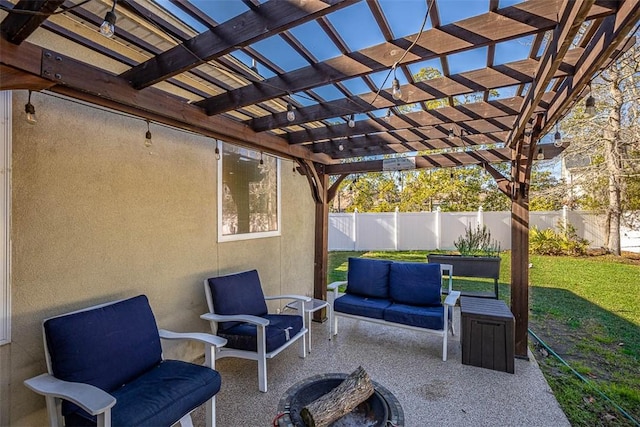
106,368
238,312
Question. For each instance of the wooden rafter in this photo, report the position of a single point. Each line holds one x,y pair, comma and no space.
254,25
17,26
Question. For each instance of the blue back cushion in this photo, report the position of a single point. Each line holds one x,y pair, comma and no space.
239,293
415,283
368,277
106,346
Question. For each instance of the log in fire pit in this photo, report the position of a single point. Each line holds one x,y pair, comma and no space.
382,409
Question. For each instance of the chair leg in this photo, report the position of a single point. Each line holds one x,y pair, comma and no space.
186,421
444,344
211,412
262,360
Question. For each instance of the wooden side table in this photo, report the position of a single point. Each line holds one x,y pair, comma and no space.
487,334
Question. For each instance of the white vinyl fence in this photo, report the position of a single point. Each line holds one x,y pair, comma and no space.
438,230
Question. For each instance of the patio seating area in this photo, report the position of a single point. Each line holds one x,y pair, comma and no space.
406,363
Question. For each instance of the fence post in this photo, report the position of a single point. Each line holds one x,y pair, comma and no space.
355,229
438,229
396,232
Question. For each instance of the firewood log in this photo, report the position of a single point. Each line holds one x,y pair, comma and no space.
351,392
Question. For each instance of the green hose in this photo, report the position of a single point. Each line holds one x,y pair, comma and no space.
577,374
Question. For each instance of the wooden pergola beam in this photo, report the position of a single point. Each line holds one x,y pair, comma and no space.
478,31
266,20
83,81
16,27
572,15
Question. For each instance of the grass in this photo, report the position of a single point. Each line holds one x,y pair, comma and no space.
587,311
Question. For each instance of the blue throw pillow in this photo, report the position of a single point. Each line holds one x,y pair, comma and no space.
368,277
415,283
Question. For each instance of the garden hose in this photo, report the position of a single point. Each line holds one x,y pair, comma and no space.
577,374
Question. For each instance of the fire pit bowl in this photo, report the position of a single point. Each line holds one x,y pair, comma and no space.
380,410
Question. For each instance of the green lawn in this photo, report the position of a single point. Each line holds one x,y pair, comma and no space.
587,311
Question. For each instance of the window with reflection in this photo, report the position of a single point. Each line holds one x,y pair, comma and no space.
248,194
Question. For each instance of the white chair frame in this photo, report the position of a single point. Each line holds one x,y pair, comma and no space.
261,354
98,402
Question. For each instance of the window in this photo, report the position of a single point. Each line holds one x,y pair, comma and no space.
248,194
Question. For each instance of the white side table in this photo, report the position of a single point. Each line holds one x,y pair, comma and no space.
311,307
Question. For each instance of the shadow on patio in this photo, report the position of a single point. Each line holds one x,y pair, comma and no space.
408,364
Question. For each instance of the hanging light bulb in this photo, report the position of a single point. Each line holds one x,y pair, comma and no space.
108,27
291,115
387,117
340,147
261,159
396,93
352,122
30,110
147,136
540,155
217,150
557,137
451,134
254,66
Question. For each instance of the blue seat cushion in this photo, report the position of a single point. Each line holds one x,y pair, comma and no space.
105,347
361,306
159,397
422,317
239,293
243,336
415,283
368,277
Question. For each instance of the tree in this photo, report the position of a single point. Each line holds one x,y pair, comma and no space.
605,150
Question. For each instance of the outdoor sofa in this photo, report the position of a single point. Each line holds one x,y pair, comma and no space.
401,294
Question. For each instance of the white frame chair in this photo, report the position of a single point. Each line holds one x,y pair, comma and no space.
261,355
98,402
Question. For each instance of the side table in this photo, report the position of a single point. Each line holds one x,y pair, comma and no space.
487,334
309,308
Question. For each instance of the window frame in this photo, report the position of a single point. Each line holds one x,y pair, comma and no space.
220,173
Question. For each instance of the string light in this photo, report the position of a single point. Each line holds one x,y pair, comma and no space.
291,115
352,122
30,110
147,136
108,27
254,66
451,134
387,117
217,150
540,155
340,147
396,93
557,137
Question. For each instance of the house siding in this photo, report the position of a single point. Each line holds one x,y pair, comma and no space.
98,216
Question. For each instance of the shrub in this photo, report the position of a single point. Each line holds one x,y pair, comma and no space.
477,242
565,241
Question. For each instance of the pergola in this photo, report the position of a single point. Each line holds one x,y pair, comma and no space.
178,63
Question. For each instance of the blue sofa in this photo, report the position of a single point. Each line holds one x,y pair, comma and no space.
402,294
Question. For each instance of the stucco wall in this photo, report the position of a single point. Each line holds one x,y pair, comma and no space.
98,216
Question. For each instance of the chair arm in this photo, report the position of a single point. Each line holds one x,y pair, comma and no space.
90,398
202,337
289,296
334,287
452,298
212,317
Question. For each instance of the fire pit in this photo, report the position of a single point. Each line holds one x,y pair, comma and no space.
381,409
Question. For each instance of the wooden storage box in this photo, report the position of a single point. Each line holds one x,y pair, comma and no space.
487,334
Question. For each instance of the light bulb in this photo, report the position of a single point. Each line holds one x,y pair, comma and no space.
340,147
352,122
387,117
108,27
217,152
590,106
291,115
254,66
395,90
557,139
147,136
30,111
451,134
540,155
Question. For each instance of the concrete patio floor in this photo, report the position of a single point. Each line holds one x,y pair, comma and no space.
407,363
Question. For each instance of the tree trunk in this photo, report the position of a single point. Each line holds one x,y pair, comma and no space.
354,390
613,154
